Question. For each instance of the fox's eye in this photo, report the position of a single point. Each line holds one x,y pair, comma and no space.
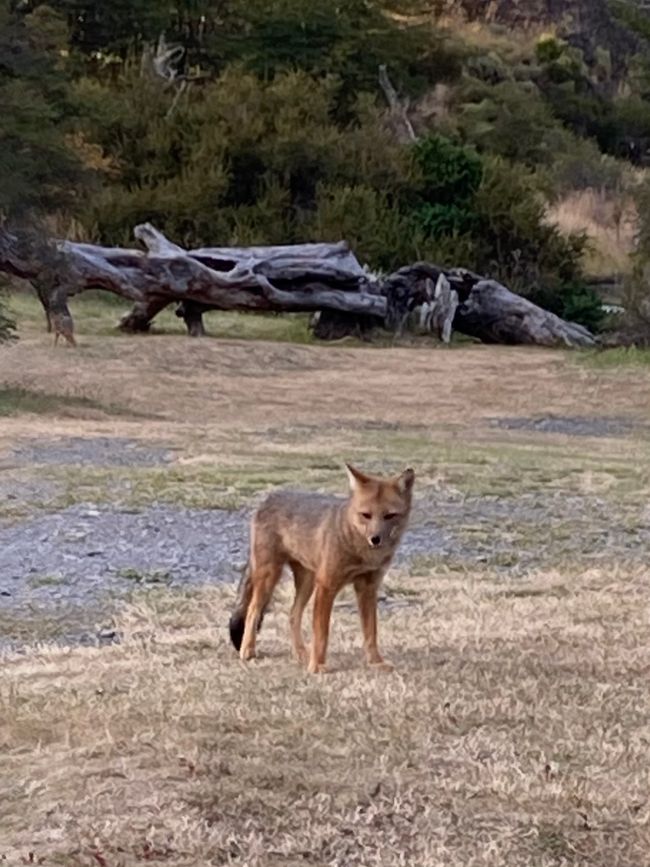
389,516
366,516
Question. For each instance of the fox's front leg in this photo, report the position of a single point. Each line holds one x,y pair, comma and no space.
367,601
323,602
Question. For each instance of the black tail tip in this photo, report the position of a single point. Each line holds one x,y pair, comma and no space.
236,627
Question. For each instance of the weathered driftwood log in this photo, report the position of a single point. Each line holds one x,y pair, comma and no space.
300,278
495,315
476,307
334,325
306,277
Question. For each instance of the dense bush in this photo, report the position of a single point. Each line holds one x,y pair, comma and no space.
285,137
241,161
511,120
252,161
492,212
39,169
6,322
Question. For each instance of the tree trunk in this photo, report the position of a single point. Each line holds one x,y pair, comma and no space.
323,278
495,315
139,318
191,312
333,325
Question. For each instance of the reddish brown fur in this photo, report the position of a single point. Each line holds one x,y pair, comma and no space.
328,543
63,327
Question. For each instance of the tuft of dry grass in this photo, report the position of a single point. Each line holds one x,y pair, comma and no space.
513,732
609,222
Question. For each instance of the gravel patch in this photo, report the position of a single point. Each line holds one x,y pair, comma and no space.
88,557
577,426
91,451
73,565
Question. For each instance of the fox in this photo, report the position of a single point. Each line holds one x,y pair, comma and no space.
327,543
62,324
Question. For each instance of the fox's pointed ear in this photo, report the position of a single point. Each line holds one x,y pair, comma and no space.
405,481
356,477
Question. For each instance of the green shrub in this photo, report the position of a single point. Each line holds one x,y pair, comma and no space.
7,324
580,303
449,174
39,171
379,233
510,120
526,251
549,49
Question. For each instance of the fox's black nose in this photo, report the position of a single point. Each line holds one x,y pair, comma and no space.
375,540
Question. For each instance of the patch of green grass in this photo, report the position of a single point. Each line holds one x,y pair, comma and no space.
14,401
98,313
490,470
206,486
620,357
428,564
52,624
287,328
18,400
499,469
559,591
554,842
400,590
146,576
47,580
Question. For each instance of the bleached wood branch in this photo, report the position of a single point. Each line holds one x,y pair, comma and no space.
398,110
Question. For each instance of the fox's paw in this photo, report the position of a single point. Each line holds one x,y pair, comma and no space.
246,654
317,668
382,665
301,655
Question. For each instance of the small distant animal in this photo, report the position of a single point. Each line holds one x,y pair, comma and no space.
63,326
328,543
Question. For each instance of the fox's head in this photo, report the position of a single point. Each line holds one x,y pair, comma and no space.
379,508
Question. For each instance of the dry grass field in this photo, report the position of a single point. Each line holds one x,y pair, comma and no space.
608,221
516,727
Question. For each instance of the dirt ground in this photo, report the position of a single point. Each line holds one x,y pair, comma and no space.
514,730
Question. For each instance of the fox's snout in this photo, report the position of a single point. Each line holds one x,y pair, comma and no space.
375,541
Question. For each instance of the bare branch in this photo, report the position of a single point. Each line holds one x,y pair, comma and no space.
401,124
166,60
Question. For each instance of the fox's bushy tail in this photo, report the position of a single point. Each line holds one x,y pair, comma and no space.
238,617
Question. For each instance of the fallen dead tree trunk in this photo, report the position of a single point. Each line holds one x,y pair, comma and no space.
495,315
477,307
301,278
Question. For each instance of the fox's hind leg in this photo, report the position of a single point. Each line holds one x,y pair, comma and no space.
304,582
265,571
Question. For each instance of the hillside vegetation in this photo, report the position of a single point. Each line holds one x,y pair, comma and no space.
275,129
